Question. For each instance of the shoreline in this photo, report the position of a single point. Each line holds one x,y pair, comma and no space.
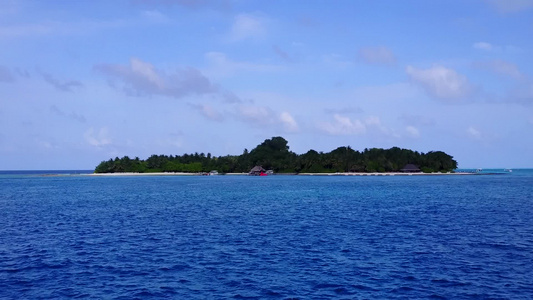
287,174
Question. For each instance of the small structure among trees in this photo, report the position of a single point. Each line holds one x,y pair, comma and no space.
410,168
257,171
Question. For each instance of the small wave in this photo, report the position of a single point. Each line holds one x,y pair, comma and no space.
327,286
342,291
448,283
363,287
177,267
402,289
239,296
271,293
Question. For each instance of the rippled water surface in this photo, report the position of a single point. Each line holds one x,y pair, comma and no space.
274,237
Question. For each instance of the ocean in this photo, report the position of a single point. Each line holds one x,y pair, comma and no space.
273,237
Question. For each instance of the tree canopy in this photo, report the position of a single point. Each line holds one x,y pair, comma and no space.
274,154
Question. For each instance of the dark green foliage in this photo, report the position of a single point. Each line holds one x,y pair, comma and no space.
274,154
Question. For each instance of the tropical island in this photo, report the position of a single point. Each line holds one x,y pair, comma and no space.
274,154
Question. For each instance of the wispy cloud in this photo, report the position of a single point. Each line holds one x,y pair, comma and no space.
522,94
22,30
441,82
336,60
22,72
174,141
220,65
262,116
501,67
281,53
511,6
142,78
46,145
255,114
370,126
344,110
342,125
189,4
97,138
489,47
412,131
473,132
6,75
74,116
307,21
288,122
483,46
248,26
60,28
208,112
156,16
65,86
377,55
417,120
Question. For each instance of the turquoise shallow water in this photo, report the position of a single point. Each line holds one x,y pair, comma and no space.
274,237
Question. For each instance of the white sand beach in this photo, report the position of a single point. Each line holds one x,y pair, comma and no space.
278,174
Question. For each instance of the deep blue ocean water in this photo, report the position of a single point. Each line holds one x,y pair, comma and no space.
274,237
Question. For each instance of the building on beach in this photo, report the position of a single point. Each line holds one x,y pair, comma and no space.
257,170
410,168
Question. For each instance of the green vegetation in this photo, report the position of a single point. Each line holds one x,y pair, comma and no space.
274,154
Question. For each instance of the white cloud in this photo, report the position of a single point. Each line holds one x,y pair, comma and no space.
373,120
98,138
222,66
255,114
483,46
155,16
501,67
288,122
408,119
412,131
473,132
247,26
377,55
142,78
511,6
264,116
343,126
370,126
208,112
440,82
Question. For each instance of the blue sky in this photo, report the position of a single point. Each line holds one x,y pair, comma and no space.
85,81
